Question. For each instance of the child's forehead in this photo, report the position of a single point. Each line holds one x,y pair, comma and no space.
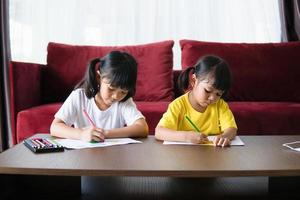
208,81
105,80
108,82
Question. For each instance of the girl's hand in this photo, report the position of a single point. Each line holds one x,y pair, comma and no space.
198,138
89,134
221,141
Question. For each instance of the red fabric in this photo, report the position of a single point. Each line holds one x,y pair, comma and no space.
261,72
67,64
153,112
35,120
25,79
266,118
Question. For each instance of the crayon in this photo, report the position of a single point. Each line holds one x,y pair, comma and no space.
31,143
35,143
38,141
45,141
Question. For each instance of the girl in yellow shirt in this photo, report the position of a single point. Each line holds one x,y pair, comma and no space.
201,111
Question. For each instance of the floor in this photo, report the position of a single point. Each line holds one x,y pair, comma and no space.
92,188
177,188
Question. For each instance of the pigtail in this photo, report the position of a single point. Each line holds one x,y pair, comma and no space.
184,79
89,82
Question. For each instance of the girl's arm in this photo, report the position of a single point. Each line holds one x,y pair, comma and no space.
225,138
162,133
60,129
138,129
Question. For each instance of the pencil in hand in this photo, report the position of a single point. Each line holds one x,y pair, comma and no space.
88,117
207,142
192,123
91,122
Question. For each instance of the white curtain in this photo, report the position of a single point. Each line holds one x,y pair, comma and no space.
33,23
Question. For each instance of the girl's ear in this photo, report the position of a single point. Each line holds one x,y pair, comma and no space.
193,80
98,76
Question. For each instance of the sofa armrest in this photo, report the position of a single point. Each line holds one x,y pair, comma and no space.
177,92
25,91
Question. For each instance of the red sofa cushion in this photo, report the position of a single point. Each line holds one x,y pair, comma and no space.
261,72
66,65
35,120
266,118
153,111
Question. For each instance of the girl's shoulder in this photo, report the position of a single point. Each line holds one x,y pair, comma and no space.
222,103
181,101
181,98
78,94
128,102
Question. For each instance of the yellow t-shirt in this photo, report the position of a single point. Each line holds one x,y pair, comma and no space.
214,120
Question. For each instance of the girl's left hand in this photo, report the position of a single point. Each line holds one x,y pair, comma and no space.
221,141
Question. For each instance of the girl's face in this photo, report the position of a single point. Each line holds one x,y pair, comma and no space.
110,94
204,93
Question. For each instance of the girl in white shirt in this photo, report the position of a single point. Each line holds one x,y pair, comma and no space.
105,94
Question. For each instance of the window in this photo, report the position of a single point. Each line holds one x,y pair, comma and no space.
113,22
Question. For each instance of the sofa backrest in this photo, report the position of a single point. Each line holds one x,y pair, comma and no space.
261,72
66,66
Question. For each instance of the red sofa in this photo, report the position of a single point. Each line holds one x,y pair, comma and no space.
264,97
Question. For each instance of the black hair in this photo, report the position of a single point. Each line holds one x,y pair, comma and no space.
209,65
120,68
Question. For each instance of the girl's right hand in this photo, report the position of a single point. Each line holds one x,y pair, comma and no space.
198,138
89,134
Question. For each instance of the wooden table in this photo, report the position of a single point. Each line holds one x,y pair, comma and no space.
262,156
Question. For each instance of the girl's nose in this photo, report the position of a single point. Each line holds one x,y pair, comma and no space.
116,95
212,97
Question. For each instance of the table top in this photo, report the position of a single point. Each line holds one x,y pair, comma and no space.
261,156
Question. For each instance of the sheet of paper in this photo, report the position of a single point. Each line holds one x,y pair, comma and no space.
78,144
293,145
236,142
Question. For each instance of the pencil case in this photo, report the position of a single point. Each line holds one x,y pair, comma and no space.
42,145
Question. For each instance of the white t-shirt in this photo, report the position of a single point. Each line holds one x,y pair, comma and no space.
117,115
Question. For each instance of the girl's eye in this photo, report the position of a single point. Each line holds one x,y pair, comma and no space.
124,92
207,91
218,94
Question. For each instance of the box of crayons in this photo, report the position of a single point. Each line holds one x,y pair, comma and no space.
42,145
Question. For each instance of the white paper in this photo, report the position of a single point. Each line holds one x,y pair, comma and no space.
293,145
78,144
235,142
